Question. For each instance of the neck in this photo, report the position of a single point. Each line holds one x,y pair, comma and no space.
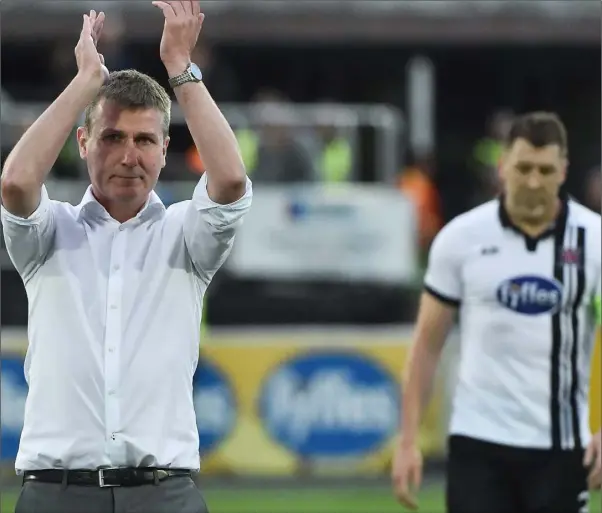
121,211
535,227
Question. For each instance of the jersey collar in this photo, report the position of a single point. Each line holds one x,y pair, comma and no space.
556,230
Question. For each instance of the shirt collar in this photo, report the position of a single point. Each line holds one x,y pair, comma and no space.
89,206
557,228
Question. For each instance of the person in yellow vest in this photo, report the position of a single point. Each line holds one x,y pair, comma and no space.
336,157
248,143
486,155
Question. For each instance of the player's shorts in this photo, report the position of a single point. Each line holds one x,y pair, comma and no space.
484,477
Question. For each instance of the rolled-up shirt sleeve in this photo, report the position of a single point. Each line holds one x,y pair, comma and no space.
29,240
209,228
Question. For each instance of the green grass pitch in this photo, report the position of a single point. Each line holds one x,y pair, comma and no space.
336,500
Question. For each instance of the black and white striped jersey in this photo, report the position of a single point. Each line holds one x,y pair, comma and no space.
527,324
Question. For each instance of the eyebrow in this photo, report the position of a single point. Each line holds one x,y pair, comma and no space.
113,131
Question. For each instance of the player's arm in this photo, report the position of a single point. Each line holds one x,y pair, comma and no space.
223,195
33,156
440,299
212,135
438,304
27,214
435,319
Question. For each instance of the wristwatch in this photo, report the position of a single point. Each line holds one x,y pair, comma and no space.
192,74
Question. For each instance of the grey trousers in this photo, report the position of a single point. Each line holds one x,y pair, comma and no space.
174,495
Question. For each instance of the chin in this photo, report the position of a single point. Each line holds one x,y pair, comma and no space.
535,215
127,193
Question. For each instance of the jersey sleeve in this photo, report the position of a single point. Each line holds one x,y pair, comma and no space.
443,276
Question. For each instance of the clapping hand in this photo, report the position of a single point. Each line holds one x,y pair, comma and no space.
183,22
89,62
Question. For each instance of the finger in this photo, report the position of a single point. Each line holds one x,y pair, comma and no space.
186,6
99,22
196,7
177,7
97,31
102,58
201,18
168,12
92,17
407,500
86,27
596,472
403,494
588,456
594,479
416,478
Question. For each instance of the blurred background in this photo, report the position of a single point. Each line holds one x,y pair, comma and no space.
365,127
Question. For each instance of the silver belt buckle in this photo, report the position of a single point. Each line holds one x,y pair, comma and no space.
101,478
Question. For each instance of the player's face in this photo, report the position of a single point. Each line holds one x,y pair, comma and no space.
125,151
532,178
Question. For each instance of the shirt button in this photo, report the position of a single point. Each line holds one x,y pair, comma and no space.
111,392
116,267
121,228
111,349
113,307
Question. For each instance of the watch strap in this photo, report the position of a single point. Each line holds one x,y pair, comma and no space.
182,78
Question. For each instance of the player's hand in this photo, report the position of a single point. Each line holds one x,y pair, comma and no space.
183,22
407,473
90,63
593,461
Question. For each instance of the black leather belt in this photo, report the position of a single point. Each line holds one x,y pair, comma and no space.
106,477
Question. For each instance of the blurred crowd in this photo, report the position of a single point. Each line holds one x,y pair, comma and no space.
478,90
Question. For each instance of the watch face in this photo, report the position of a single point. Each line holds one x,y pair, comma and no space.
196,72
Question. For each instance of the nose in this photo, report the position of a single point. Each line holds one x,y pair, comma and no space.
130,156
533,181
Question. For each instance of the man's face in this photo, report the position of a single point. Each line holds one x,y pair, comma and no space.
125,152
532,178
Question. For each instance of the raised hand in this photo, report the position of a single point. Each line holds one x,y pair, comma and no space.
89,61
183,22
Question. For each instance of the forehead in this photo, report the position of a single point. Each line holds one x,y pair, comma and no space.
109,115
523,150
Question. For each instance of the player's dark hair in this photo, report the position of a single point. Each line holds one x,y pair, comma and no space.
540,129
131,89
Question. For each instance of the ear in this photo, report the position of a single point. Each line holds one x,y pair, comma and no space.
563,173
82,141
502,164
165,145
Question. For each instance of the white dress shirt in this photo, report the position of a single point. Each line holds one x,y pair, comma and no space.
114,328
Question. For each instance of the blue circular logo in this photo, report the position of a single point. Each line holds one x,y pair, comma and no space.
14,393
530,295
214,404
330,405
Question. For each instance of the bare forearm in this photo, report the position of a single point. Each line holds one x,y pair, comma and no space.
418,387
36,152
214,140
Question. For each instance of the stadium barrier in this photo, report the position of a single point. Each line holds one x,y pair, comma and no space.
311,402
323,402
